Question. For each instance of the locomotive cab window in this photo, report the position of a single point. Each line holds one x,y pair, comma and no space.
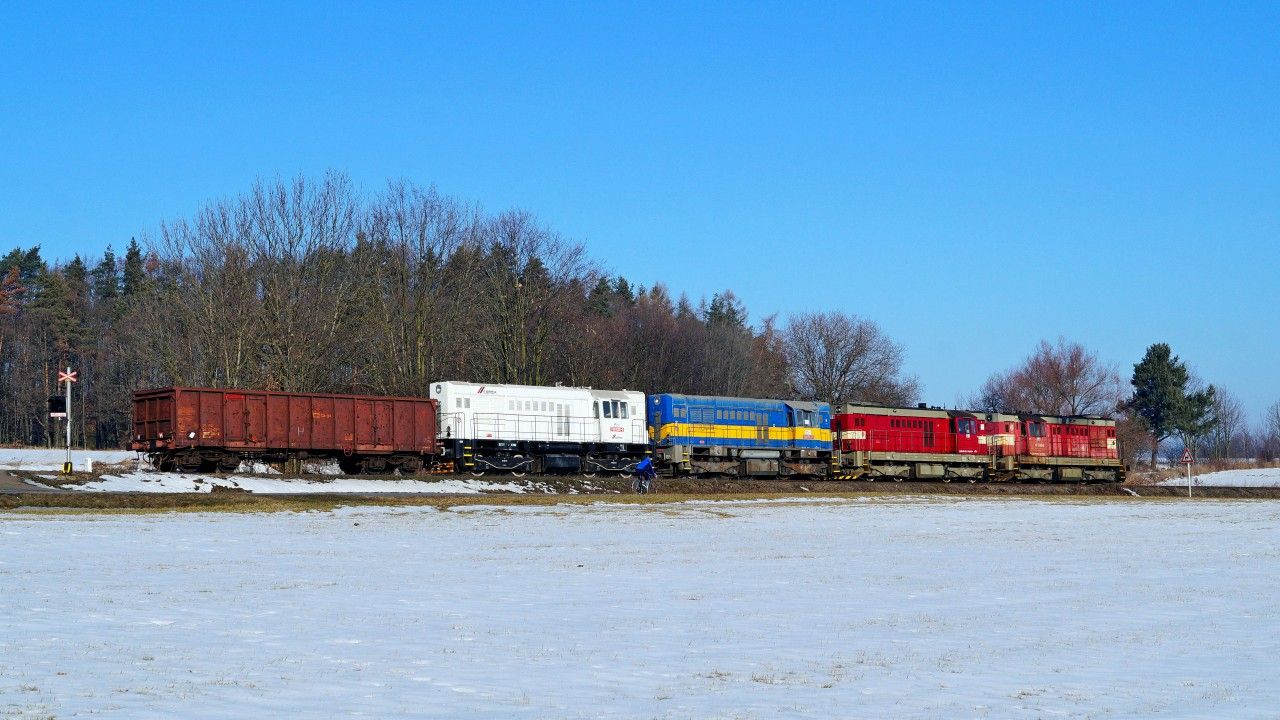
623,407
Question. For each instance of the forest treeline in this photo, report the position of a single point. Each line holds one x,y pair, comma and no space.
308,285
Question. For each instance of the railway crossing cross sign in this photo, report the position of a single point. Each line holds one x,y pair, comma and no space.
67,377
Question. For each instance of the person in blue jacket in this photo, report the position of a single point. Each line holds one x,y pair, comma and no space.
646,473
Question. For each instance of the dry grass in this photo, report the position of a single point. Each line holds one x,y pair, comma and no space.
235,502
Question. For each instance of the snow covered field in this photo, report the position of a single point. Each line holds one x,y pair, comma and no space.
885,608
183,483
46,459
1263,477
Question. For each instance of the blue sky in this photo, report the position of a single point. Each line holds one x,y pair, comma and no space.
973,176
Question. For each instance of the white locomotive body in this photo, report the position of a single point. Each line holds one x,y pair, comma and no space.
522,428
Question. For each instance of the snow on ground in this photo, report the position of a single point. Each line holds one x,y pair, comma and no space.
178,483
1255,477
881,608
46,459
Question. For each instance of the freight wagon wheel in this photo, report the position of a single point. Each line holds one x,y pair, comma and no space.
946,478
897,479
589,474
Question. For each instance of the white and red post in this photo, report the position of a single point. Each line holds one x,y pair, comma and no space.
68,377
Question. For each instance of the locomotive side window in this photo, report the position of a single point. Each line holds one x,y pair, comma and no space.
624,410
595,409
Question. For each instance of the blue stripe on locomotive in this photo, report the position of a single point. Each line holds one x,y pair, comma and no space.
714,421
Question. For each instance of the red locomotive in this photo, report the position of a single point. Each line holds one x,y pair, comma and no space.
923,443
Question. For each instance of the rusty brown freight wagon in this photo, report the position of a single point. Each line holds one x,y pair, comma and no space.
206,429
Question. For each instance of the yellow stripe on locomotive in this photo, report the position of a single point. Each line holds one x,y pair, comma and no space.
738,422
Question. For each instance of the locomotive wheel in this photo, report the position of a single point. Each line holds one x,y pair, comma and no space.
518,473
476,473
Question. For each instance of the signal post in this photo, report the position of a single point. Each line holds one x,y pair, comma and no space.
1188,459
67,377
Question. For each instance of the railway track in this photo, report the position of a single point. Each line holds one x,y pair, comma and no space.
14,483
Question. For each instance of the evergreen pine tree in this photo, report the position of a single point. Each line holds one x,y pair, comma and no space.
598,299
106,278
726,309
1161,401
622,289
134,271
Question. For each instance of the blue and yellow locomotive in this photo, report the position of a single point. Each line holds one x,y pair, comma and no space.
695,434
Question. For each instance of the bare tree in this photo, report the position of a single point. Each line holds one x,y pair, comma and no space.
415,301
299,235
1269,435
1060,379
527,274
840,357
1222,438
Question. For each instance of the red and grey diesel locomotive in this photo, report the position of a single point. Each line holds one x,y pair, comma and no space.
515,429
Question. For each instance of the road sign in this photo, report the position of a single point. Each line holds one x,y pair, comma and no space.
57,406
68,377
1187,459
